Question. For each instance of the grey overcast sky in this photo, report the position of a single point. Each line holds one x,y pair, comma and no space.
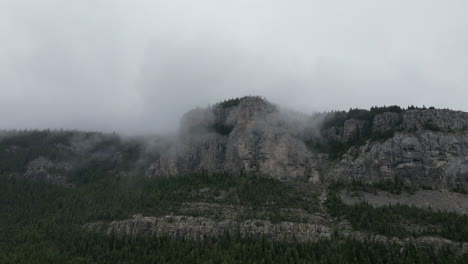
136,66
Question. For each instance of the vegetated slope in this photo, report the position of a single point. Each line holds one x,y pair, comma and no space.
43,223
64,186
70,158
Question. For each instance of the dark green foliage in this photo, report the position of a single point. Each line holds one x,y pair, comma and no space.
111,196
223,129
17,149
361,114
339,118
431,126
84,248
335,149
460,189
335,119
391,220
393,108
219,127
41,223
92,154
412,107
94,248
382,136
228,103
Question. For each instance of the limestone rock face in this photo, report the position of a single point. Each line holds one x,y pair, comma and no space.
260,142
421,147
333,134
432,159
435,119
201,228
437,200
353,128
385,121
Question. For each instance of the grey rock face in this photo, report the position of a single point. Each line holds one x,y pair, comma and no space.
260,143
433,159
426,242
201,228
48,171
333,134
353,128
435,119
385,122
437,200
429,148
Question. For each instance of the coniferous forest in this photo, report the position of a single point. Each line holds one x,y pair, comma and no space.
42,222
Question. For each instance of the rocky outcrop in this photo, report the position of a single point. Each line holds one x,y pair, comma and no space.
201,228
344,229
435,119
426,242
436,200
353,129
45,170
433,159
385,122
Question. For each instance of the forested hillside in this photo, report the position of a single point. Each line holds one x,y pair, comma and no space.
42,223
242,182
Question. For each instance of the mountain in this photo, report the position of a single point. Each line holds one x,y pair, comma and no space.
243,180
421,148
417,147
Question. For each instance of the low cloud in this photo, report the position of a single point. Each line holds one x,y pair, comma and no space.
137,67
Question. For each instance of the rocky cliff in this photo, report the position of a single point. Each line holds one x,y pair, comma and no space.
201,228
419,147
259,141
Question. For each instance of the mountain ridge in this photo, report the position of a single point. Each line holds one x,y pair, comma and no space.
421,147
248,168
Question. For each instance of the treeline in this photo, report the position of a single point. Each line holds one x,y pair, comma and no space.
85,248
228,103
338,118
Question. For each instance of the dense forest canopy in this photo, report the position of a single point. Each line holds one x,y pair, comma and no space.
42,223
